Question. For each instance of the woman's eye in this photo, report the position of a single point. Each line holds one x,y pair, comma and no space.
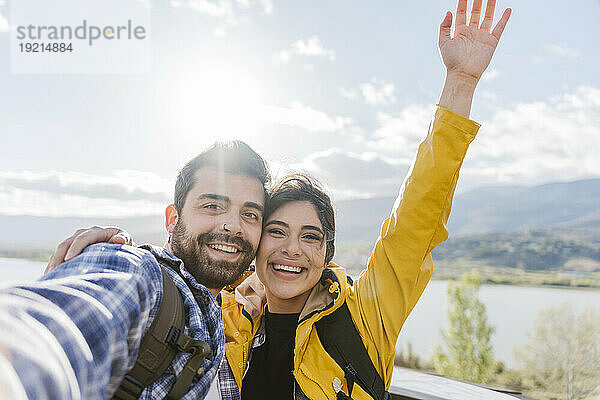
312,238
277,232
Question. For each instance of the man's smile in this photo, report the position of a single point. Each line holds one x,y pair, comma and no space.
227,248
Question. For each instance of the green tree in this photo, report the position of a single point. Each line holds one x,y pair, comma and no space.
466,352
408,359
562,355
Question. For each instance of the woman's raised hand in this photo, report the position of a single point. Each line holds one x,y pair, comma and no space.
470,51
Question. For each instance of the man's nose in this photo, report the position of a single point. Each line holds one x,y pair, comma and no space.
231,224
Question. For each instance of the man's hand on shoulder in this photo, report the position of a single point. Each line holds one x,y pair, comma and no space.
76,243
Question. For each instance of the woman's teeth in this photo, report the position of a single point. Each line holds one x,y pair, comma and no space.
222,247
287,268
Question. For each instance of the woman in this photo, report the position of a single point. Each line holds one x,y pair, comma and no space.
272,345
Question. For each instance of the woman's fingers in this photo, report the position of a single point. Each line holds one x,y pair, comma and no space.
445,28
489,15
461,13
497,32
475,14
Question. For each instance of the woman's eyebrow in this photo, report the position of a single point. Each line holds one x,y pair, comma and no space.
277,222
314,228
286,225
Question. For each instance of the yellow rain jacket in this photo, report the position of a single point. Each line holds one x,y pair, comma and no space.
383,296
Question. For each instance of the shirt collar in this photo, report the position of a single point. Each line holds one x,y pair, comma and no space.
177,264
163,254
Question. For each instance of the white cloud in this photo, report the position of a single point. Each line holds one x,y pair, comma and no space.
225,13
400,134
126,185
146,3
561,49
557,139
348,93
355,175
305,117
283,57
309,67
125,193
543,141
531,143
490,96
490,74
4,26
37,203
375,92
219,31
218,9
267,6
311,47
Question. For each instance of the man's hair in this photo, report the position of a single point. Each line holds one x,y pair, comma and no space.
232,157
300,187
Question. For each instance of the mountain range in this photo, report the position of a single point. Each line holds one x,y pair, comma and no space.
569,205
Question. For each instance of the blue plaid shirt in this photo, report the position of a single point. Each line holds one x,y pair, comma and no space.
76,332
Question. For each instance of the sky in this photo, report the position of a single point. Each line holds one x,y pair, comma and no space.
342,90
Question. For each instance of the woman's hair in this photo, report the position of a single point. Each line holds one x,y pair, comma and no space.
299,187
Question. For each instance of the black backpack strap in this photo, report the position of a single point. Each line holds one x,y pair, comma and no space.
342,342
160,344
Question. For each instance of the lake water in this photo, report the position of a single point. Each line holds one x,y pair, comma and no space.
15,270
511,310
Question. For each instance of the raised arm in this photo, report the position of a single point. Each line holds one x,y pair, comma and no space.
468,53
401,264
74,334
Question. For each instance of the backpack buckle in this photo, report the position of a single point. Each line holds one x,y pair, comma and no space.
173,336
129,389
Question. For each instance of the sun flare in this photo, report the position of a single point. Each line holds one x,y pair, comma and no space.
217,103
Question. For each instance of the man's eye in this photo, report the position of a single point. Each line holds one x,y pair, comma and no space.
212,206
251,215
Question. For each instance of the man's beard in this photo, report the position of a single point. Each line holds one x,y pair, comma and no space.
214,274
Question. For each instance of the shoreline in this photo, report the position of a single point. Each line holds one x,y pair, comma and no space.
531,285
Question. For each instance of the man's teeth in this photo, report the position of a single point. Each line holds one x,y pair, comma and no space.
287,268
222,247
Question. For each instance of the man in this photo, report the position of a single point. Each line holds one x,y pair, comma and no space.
76,332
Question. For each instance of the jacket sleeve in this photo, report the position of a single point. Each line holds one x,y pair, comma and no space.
75,333
400,265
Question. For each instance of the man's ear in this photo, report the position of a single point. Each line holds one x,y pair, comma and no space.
171,216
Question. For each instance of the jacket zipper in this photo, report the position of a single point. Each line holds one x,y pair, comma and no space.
244,363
